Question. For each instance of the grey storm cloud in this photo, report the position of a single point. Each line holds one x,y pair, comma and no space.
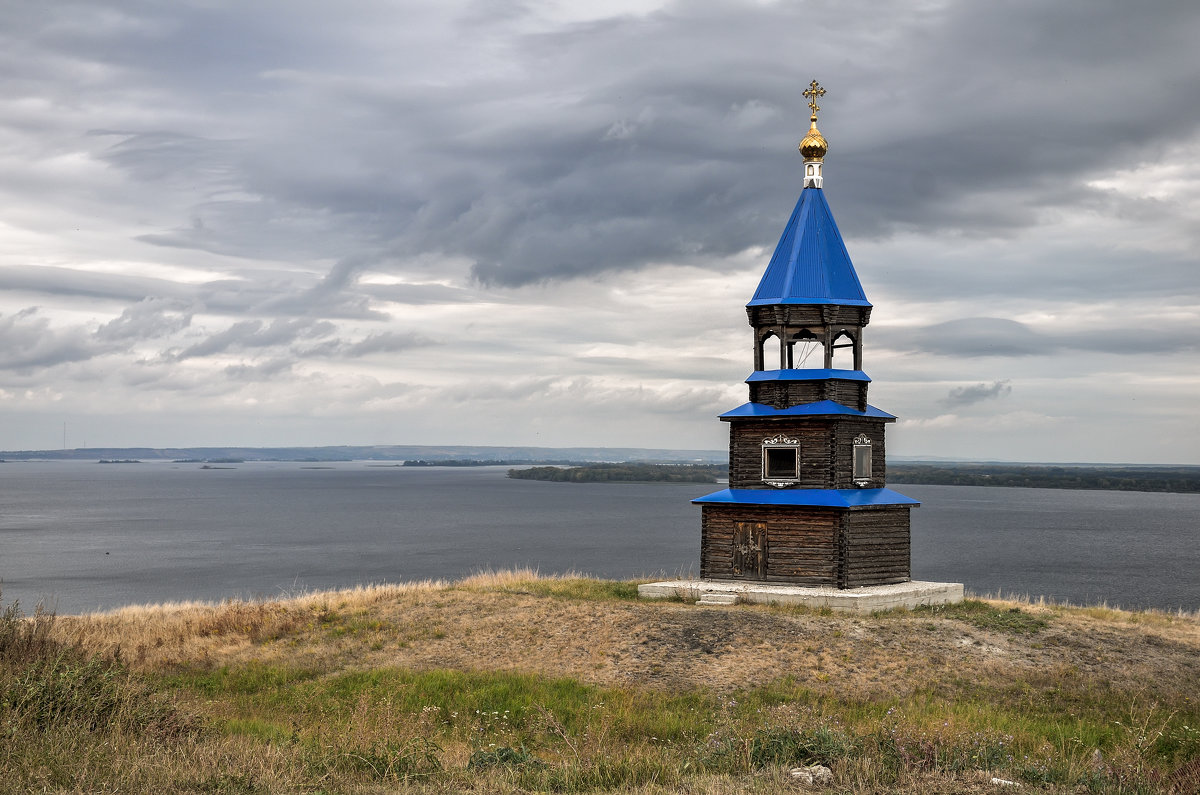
993,336
157,156
387,342
148,319
963,396
58,281
418,294
262,371
613,144
247,334
974,336
382,342
27,343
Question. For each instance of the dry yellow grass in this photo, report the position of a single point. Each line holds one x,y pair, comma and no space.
510,620
375,664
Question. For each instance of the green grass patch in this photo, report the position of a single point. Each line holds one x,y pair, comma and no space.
467,703
1012,620
249,679
781,724
580,588
503,756
587,589
257,728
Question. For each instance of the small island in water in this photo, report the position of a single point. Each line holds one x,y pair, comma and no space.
626,473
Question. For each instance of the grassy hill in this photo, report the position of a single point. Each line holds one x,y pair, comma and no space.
515,683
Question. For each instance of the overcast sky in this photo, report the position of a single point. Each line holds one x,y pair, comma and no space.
299,222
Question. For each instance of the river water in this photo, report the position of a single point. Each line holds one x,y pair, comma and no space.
86,536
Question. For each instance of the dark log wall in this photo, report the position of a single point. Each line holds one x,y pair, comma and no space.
826,451
785,394
843,466
802,543
745,451
804,315
810,546
877,546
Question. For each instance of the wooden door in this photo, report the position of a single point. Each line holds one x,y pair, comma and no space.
750,550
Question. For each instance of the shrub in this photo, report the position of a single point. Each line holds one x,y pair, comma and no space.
23,639
46,685
821,745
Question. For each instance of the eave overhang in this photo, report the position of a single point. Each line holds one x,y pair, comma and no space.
807,374
820,408
807,498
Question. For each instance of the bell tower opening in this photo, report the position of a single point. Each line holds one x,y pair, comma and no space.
762,354
805,349
844,352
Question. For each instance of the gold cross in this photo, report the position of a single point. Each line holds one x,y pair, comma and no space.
813,91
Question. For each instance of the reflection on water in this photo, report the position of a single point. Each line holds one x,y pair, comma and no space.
86,536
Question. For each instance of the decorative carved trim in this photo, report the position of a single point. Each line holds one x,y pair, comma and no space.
862,441
780,440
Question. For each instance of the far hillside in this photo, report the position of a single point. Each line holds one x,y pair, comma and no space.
1179,479
626,472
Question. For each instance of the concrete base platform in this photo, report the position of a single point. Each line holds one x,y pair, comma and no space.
852,600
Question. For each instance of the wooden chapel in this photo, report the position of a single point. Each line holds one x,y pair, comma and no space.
807,502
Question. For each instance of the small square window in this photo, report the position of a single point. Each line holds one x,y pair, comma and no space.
780,463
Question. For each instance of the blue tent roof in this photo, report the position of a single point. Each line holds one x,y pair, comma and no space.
818,498
810,265
821,408
807,374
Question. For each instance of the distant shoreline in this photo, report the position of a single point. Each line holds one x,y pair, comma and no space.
624,473
1177,480
1151,478
1166,479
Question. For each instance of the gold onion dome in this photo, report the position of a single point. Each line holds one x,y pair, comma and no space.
814,146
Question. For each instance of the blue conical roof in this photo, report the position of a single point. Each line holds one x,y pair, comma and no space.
810,265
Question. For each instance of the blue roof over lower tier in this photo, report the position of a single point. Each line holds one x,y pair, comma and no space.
807,374
820,408
813,498
810,264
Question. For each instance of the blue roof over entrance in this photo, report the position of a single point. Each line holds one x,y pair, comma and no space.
818,498
810,265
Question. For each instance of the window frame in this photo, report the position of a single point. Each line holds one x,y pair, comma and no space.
776,443
862,442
